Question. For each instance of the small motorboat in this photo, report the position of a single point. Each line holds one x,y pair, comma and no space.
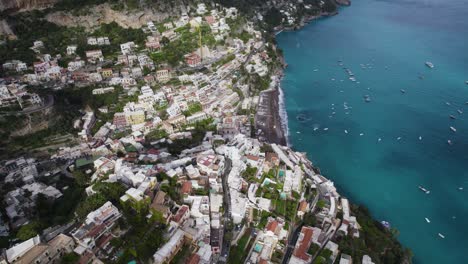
362,134
452,117
386,224
378,140
453,129
398,138
441,236
460,111
325,129
429,64
402,91
449,142
447,103
427,220
420,138
426,191
346,131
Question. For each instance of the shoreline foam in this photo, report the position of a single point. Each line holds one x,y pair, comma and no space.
283,114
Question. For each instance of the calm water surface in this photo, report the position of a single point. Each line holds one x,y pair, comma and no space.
385,44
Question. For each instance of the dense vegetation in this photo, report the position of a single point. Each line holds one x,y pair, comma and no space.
375,240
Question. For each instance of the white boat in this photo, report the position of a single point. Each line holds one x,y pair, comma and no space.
429,64
362,134
346,131
460,111
447,103
398,138
442,236
298,132
424,189
325,129
453,129
315,70
402,91
379,139
386,224
449,142
427,220
420,138
460,188
315,128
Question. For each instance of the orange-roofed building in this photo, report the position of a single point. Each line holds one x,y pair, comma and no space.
186,187
210,20
193,259
300,254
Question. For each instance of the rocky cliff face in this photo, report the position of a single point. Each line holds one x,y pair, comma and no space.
25,4
105,14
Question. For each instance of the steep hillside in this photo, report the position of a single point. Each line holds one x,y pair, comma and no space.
25,4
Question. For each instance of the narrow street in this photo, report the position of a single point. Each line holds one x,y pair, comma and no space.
291,243
227,212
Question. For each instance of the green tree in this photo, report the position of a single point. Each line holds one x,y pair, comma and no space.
165,41
27,231
81,178
91,203
70,258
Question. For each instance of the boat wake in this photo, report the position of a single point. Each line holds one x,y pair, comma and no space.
283,115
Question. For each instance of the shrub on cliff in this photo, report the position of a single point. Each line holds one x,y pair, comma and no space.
375,240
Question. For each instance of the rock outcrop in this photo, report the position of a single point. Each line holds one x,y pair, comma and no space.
5,30
105,14
25,4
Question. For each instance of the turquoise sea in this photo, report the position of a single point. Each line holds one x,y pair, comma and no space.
386,44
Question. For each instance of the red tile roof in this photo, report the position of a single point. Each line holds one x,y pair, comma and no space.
303,206
210,20
271,226
180,213
186,187
300,250
96,230
194,259
153,151
252,157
